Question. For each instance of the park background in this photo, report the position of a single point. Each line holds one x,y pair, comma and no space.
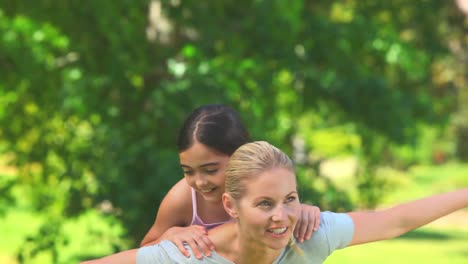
370,98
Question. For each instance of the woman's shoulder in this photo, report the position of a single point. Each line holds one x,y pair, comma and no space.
225,237
167,252
335,231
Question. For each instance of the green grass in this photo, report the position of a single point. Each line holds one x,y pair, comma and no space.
422,181
428,245
425,245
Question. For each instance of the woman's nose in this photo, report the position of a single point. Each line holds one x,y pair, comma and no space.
279,214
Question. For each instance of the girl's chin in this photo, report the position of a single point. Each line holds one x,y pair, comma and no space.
211,196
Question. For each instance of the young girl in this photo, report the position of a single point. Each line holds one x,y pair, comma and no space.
206,141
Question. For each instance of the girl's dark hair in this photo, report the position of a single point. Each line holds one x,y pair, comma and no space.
217,126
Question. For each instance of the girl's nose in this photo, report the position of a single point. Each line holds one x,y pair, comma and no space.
200,181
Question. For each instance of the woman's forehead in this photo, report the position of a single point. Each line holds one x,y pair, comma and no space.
272,182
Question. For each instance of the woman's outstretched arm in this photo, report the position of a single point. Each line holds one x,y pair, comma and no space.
395,221
124,257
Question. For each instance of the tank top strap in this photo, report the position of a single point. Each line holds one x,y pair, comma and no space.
195,218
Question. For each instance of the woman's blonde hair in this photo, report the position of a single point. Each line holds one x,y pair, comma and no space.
248,161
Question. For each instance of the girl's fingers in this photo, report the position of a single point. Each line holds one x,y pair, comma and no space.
182,249
209,243
193,244
303,228
198,244
317,220
206,245
201,229
298,226
310,227
196,238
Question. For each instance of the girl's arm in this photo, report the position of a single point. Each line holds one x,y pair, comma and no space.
173,223
393,222
174,210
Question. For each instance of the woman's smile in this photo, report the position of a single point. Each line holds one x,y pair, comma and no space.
279,232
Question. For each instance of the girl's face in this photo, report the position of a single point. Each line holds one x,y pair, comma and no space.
267,213
204,170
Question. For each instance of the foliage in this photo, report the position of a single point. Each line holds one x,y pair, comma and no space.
430,245
6,200
72,240
92,93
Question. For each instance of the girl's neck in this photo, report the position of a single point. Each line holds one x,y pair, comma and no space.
211,211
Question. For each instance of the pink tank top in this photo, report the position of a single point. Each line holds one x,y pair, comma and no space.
196,219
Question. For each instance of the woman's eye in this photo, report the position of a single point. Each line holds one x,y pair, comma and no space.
290,199
264,204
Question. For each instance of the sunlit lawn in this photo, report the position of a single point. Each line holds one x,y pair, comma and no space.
427,180
429,245
426,245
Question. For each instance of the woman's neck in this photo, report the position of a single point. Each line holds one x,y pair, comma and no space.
240,250
250,250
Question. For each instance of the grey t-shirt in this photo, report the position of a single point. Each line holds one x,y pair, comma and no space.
335,232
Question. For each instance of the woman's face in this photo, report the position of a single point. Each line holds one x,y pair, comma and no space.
267,213
204,170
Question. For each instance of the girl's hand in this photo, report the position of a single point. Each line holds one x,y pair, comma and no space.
308,222
195,236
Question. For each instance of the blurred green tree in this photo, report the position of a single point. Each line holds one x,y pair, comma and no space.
92,93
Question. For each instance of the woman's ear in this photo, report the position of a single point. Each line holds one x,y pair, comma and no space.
229,205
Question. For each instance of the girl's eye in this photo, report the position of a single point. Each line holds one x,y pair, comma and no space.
188,173
290,199
211,172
